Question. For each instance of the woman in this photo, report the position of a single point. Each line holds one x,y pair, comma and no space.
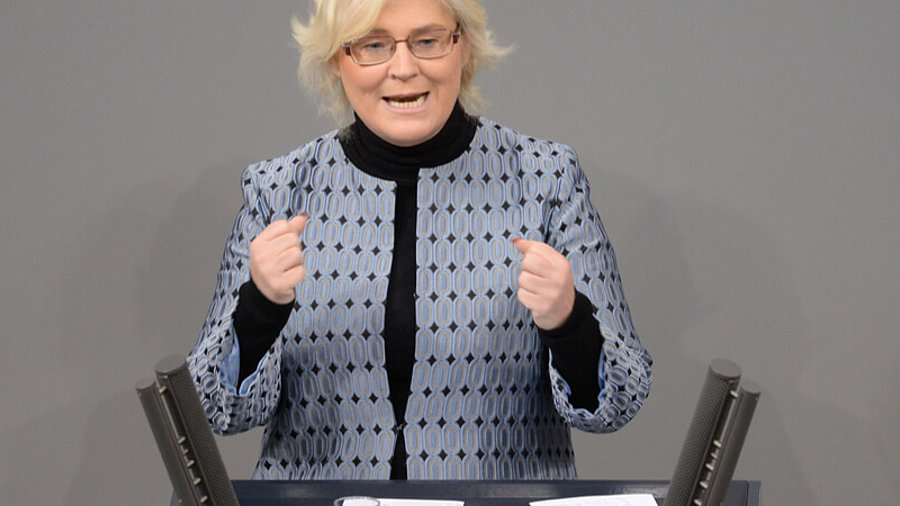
422,294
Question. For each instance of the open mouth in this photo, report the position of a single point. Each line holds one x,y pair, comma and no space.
407,101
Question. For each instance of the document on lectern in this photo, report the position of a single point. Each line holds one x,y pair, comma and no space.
601,500
381,501
593,500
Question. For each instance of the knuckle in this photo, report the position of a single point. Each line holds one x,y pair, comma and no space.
522,296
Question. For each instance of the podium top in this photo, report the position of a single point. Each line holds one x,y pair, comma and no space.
474,493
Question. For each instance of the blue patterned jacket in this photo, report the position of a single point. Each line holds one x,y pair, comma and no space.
485,400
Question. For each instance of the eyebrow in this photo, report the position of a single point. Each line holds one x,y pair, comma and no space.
431,26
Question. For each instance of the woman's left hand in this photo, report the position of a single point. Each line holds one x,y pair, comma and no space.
546,284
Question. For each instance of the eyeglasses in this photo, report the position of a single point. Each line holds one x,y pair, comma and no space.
426,44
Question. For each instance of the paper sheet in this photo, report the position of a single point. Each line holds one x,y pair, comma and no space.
381,501
601,500
591,500
418,502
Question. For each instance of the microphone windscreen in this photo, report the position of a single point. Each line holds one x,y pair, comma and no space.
172,373
722,376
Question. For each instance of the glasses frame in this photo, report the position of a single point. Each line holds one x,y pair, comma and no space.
454,40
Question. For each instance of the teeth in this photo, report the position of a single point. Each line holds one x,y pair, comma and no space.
408,104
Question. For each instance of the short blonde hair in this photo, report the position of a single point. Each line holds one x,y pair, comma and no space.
334,22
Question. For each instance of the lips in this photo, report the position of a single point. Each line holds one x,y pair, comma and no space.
406,101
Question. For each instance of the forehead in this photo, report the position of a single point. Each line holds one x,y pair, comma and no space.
402,16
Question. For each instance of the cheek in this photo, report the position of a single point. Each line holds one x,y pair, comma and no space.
447,77
454,74
356,80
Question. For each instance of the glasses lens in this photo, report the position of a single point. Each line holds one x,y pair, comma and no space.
431,44
372,49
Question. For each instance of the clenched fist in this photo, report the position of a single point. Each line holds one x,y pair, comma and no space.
546,284
276,259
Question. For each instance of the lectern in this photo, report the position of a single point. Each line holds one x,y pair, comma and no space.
473,493
702,476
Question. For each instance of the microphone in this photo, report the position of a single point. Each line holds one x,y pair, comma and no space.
714,439
183,435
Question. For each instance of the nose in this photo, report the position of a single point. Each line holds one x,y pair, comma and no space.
404,65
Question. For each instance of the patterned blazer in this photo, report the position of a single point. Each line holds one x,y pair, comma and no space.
485,401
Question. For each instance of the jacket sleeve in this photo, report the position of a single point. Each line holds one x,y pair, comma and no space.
214,360
574,229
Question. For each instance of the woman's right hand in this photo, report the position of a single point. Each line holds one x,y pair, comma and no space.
276,259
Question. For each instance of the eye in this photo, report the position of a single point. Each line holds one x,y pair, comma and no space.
372,44
426,42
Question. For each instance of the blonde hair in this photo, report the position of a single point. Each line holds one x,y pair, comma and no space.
334,22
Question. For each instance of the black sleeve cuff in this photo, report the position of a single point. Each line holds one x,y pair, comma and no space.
576,349
257,322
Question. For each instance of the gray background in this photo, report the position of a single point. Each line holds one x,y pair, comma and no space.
743,155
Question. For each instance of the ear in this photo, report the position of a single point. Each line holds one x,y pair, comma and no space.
466,51
334,65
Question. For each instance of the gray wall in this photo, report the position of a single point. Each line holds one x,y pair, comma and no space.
743,154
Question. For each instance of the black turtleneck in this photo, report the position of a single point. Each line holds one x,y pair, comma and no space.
373,155
258,321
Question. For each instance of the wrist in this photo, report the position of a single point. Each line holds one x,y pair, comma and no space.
582,309
561,317
271,295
